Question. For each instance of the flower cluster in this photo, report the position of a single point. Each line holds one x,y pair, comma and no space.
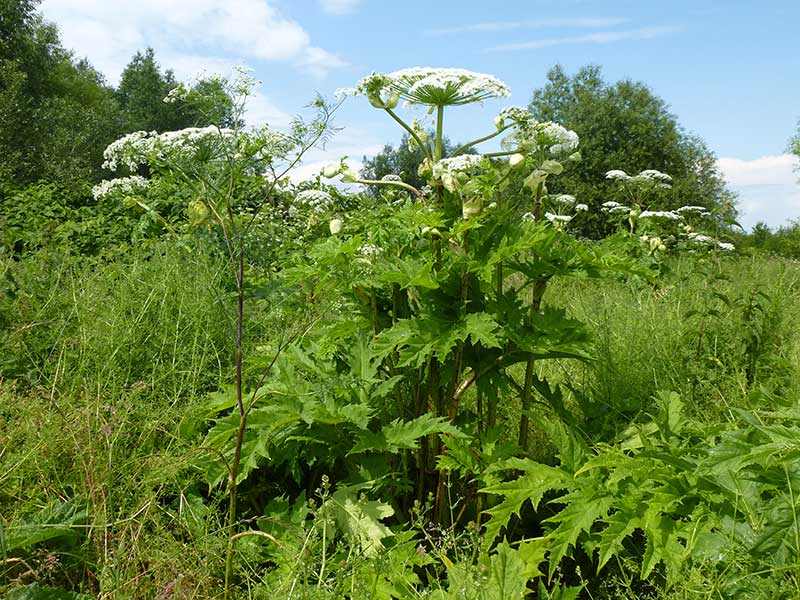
553,218
563,203
660,214
678,216
126,185
708,241
451,170
317,200
428,86
531,136
701,211
648,177
518,116
614,208
141,147
128,150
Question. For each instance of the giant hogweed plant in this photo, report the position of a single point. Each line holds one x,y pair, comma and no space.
231,176
660,231
438,300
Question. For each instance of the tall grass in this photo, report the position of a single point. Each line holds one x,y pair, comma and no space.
102,364
107,359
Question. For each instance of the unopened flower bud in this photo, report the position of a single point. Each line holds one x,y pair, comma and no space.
499,121
392,101
471,207
335,226
515,160
198,212
330,170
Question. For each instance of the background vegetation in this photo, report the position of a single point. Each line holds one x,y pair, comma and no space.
660,464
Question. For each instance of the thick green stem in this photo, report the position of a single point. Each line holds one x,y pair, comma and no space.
242,424
437,148
536,302
503,153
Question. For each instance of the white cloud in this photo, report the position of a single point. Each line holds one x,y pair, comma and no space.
768,188
338,7
261,111
600,37
767,170
108,33
579,22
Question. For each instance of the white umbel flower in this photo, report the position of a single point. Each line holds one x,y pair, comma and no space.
660,214
532,136
617,174
457,164
429,86
690,209
316,200
654,175
565,199
557,218
124,185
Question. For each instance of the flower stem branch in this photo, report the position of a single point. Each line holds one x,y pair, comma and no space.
411,132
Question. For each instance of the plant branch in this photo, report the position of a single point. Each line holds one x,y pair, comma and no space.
411,132
480,140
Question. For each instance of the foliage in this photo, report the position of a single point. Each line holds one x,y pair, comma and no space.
430,391
625,126
694,493
143,89
783,241
57,113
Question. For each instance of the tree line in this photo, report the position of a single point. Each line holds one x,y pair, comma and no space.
58,113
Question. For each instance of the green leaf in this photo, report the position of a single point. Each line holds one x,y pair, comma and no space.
663,544
360,520
536,481
584,506
404,435
620,525
507,578
36,592
481,329
409,272
60,522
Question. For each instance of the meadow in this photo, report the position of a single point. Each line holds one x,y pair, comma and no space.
308,390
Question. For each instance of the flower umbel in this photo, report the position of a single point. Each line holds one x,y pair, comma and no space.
428,86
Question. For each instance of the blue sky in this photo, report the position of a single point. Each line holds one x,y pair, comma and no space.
727,69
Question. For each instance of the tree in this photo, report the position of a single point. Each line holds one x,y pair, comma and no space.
143,87
56,113
141,92
625,126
